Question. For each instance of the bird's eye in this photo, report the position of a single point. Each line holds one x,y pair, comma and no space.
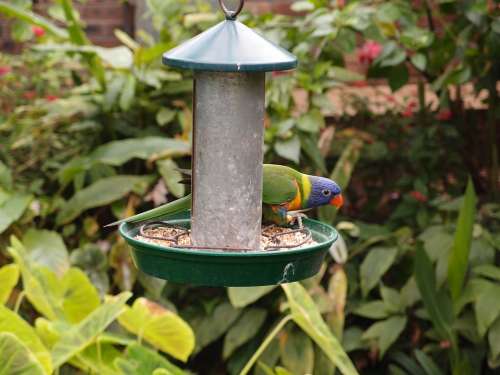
326,192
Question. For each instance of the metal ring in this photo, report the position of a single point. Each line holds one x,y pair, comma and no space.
231,14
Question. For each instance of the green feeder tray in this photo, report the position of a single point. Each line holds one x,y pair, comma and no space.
224,268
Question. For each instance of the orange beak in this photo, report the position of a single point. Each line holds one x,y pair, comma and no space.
337,201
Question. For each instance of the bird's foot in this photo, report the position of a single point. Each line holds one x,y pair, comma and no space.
296,218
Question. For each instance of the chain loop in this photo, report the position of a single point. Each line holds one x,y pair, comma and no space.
231,14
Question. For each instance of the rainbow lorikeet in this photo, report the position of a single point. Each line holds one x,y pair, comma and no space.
284,190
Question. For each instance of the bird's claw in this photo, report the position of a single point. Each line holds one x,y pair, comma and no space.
296,218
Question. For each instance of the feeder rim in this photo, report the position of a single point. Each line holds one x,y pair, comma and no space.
165,250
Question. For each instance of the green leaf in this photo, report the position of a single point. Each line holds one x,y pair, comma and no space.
289,149
12,323
487,270
5,177
307,316
344,75
12,208
416,38
16,358
487,306
243,296
30,17
9,276
243,330
494,340
385,332
427,363
83,334
210,328
119,152
419,61
100,193
311,122
171,175
372,310
128,93
165,115
297,351
459,255
426,282
46,248
141,360
79,296
309,144
159,327
397,76
375,265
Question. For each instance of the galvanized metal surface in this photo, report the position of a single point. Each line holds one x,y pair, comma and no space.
227,159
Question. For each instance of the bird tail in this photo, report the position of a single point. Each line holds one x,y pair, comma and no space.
170,208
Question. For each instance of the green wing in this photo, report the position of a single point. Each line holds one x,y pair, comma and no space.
280,184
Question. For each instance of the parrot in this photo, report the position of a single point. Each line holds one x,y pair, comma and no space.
283,190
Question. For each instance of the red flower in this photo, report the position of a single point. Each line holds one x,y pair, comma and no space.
29,95
38,31
4,70
444,115
408,111
369,52
51,98
418,196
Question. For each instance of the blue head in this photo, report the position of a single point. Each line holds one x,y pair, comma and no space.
324,191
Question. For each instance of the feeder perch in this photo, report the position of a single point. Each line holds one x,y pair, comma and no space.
229,62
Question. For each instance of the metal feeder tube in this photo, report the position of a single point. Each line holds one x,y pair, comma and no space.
228,131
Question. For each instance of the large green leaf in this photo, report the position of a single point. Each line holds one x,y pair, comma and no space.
211,327
9,276
119,152
141,360
12,323
487,306
459,256
244,329
159,327
100,193
79,297
434,304
289,149
306,315
11,209
46,248
243,296
494,340
171,176
16,358
385,332
83,334
297,351
375,265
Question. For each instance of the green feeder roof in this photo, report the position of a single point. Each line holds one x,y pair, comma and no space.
230,46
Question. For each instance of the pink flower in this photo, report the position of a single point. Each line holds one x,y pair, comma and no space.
418,196
369,51
51,98
5,70
38,31
444,115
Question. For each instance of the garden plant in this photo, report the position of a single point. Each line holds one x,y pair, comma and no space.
90,135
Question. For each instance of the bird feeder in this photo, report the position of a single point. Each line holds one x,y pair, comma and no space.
229,62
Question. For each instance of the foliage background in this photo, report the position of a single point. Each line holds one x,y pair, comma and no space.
90,134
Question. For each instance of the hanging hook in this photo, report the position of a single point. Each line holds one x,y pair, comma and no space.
231,14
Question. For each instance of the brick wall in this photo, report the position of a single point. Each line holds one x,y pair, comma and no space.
101,17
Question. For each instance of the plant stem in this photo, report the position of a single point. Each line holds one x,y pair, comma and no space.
265,344
19,300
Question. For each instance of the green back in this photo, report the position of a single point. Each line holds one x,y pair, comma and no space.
280,184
